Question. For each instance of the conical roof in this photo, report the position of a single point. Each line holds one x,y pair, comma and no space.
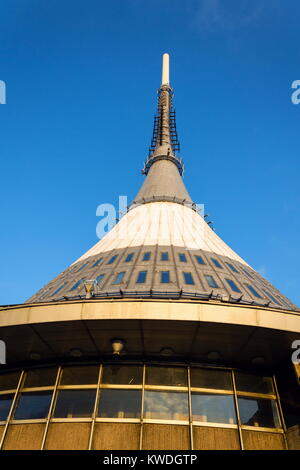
163,247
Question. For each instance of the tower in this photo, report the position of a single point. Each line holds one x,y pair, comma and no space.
158,337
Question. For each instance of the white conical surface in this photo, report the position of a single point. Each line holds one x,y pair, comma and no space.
164,224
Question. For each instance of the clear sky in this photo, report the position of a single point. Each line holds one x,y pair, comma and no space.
81,80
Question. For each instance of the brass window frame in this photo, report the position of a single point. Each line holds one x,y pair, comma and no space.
143,387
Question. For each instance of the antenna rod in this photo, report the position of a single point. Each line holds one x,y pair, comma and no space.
165,80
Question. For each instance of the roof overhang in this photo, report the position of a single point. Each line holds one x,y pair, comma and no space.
192,330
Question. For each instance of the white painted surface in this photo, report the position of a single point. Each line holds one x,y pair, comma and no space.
165,80
164,224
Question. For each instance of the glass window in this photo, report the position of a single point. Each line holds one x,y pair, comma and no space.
253,291
165,277
112,259
159,375
211,378
9,381
80,375
81,267
122,375
97,262
141,277
258,412
232,285
33,405
75,403
5,404
77,284
199,259
40,377
288,305
100,278
129,257
120,403
59,289
272,297
166,405
253,383
211,408
210,281
182,257
164,256
147,256
248,274
188,278
216,263
232,267
119,278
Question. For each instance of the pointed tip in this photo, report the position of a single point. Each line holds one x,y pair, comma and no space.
165,79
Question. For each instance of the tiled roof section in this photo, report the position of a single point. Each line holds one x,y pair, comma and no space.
61,287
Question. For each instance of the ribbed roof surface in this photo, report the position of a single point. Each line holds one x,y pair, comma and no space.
163,247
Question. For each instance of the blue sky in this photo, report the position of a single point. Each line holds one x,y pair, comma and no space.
81,81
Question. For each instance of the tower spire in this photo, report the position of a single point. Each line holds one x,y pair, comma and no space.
163,167
164,143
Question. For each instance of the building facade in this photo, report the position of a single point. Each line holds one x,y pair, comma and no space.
159,337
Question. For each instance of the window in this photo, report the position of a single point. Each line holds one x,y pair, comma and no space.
77,284
97,262
233,285
5,404
165,277
182,257
33,405
129,257
188,278
99,278
170,376
147,256
216,263
164,256
271,297
81,267
285,303
75,403
199,259
40,378
59,289
166,405
207,407
120,403
9,381
80,375
141,277
247,274
122,375
211,378
258,412
119,278
210,281
253,383
232,267
112,259
253,291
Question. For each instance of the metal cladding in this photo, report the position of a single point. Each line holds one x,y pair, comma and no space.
163,247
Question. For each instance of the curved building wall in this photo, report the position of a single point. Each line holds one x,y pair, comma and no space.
139,406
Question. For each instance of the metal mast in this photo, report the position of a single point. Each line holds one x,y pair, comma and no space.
164,143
